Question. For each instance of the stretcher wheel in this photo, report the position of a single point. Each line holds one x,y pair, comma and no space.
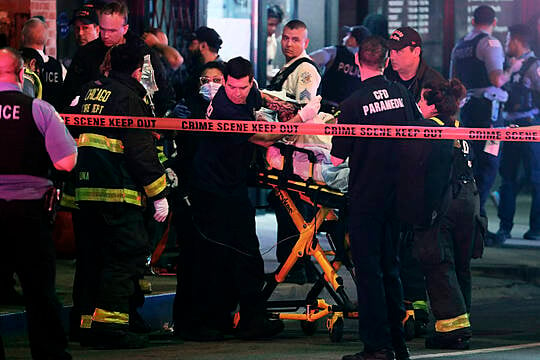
336,331
309,327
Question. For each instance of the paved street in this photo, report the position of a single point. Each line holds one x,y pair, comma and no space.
505,314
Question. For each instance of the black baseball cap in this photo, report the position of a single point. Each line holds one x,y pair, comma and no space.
404,36
359,32
127,57
87,14
209,36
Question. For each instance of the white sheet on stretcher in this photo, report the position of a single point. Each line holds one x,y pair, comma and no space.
336,177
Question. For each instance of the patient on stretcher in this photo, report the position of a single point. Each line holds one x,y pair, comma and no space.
277,107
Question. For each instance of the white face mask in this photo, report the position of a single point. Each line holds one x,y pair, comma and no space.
209,90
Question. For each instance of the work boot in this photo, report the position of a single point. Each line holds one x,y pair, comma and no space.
259,328
453,340
383,354
401,351
532,235
115,336
137,324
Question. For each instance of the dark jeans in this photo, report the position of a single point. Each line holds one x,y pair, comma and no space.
28,250
445,252
112,247
477,113
227,269
513,156
485,167
374,245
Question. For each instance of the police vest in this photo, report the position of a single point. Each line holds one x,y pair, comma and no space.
468,68
342,78
276,84
521,98
22,149
51,80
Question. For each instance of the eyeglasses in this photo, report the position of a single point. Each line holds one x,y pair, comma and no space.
206,80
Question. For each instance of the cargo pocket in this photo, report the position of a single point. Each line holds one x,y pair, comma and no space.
479,236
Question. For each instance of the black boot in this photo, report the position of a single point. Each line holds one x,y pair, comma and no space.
453,340
115,336
383,354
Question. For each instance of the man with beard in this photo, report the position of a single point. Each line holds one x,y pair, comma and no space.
204,47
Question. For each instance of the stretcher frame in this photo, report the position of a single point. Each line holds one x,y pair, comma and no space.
325,199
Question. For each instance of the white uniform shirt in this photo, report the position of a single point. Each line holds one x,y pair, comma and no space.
303,81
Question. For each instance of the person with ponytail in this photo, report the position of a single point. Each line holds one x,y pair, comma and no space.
446,247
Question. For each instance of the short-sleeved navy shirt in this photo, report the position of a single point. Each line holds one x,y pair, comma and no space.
373,162
221,161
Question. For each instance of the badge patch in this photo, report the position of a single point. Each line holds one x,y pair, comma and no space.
305,77
209,110
494,43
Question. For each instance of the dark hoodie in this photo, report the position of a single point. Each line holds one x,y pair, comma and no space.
221,162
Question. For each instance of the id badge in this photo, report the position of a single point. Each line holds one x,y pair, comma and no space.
492,147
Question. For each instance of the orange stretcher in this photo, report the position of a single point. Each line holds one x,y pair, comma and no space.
325,199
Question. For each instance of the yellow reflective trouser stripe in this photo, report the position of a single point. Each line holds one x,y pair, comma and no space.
68,201
459,322
420,305
101,142
156,187
110,317
108,195
86,321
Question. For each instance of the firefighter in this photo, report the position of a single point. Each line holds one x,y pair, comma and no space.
118,173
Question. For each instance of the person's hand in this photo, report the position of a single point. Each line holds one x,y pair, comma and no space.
311,109
162,209
150,39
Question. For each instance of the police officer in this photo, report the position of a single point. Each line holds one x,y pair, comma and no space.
409,69
445,246
372,185
114,30
118,173
33,136
299,79
34,36
341,76
521,109
85,25
477,60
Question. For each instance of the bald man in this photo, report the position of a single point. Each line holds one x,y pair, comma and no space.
34,36
32,138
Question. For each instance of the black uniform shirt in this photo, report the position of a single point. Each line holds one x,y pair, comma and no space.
373,162
221,162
